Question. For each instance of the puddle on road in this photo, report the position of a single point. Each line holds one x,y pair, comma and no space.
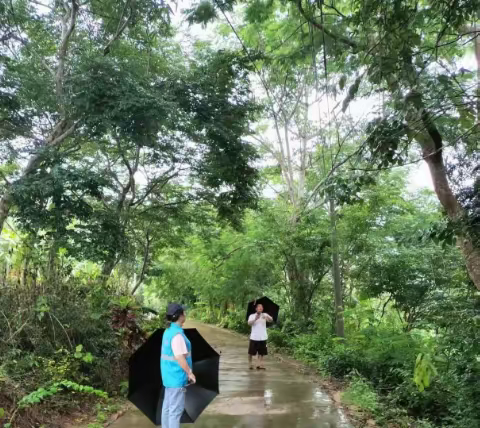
280,397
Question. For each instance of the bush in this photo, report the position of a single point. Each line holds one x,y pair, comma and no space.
235,320
70,339
361,394
279,339
342,360
308,347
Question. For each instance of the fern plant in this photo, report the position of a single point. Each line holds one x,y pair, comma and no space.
40,394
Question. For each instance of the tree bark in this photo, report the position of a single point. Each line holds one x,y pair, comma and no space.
337,281
454,212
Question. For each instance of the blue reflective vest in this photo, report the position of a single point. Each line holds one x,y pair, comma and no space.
173,376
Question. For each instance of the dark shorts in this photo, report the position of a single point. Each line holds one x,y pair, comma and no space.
257,347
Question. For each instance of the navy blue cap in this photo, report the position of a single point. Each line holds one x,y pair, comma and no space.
174,308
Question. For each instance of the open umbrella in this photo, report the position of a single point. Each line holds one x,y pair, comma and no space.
145,388
269,307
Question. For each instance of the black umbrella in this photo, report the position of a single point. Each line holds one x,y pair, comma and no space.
145,388
269,307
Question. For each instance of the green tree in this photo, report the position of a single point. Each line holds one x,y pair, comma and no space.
143,125
413,50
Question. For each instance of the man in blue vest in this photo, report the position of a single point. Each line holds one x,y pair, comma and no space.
176,366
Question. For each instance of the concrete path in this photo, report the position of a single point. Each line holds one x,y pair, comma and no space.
279,397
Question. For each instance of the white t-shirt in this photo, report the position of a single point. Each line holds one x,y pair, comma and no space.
179,347
259,328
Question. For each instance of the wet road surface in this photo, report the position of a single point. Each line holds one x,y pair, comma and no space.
279,397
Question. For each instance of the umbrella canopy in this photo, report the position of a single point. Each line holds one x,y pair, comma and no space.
145,388
269,307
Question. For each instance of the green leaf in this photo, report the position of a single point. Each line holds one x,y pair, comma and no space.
88,357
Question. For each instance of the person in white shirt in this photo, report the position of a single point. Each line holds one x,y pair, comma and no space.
258,337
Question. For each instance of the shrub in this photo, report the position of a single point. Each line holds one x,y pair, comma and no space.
308,347
278,338
64,340
342,360
361,394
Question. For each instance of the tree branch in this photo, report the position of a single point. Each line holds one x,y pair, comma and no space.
68,25
58,140
345,40
4,178
332,170
161,206
385,306
331,6
161,180
53,141
110,170
24,43
230,254
121,26
144,265
131,180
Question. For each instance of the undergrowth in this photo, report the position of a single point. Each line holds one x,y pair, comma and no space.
64,350
379,364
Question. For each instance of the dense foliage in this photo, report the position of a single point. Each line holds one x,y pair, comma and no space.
139,168
405,295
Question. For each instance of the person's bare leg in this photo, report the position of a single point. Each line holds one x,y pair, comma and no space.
260,362
250,361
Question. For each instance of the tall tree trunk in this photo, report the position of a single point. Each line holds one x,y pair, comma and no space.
477,56
337,282
108,268
146,259
25,271
431,142
455,212
476,41
296,282
5,204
